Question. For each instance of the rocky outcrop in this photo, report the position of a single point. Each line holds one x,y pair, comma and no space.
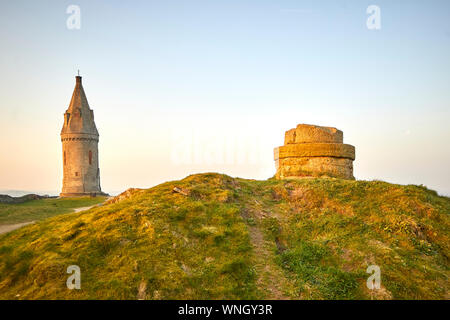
314,151
124,195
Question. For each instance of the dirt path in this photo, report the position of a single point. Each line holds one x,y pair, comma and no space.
84,208
271,278
10,227
4,228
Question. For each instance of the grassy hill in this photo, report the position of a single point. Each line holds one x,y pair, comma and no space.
217,237
44,208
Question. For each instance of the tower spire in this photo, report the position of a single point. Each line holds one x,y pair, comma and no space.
79,137
79,118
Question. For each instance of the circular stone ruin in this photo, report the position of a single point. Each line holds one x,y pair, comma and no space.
314,151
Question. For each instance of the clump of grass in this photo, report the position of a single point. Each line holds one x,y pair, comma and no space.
308,261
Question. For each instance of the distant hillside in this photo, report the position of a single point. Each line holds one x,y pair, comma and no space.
210,236
4,198
20,193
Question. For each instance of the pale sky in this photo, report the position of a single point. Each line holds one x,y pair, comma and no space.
181,87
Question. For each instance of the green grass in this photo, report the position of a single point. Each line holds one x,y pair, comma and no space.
36,210
239,239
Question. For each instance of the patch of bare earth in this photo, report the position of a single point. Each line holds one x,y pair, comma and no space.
10,227
86,208
271,278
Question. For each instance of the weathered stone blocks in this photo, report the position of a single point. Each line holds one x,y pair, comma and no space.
314,151
305,133
79,137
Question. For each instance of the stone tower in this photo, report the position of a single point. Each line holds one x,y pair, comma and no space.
314,151
79,137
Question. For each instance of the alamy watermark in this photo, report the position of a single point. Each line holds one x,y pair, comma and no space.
374,20
74,281
374,281
196,147
73,22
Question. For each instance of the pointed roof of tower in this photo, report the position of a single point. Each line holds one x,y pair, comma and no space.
79,118
79,99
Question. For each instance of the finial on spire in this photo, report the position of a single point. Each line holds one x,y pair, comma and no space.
78,77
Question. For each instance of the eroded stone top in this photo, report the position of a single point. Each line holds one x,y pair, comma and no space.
306,133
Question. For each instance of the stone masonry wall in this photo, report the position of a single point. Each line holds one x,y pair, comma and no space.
314,151
79,175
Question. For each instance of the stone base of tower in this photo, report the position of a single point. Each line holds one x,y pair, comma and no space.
85,194
319,167
314,151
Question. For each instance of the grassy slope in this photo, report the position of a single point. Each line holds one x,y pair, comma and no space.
235,238
42,209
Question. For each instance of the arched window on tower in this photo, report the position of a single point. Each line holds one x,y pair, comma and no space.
90,157
64,158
